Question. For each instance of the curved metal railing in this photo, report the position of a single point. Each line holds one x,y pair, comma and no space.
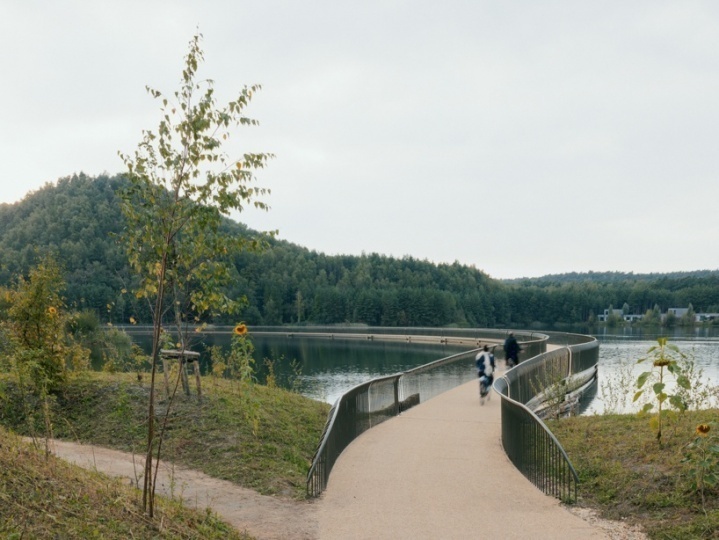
375,401
527,441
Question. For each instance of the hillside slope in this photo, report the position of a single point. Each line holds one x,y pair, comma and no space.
78,220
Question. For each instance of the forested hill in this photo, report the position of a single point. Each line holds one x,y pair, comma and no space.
76,218
608,277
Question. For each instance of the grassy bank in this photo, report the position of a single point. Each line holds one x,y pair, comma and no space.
263,438
258,437
45,497
626,475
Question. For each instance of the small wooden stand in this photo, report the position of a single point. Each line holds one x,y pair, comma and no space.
185,357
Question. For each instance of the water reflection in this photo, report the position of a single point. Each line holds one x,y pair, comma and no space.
328,368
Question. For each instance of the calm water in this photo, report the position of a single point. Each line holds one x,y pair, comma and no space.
620,349
324,368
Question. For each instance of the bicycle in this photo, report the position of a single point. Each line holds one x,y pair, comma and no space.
485,385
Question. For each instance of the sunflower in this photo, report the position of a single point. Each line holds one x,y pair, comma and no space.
52,310
662,362
703,429
240,329
133,320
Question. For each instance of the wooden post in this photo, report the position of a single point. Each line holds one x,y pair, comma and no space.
196,364
183,374
165,370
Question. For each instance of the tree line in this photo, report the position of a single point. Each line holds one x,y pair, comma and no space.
78,221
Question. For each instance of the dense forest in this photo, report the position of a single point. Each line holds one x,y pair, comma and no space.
78,218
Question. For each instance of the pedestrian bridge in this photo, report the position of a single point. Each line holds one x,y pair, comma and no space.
439,470
553,367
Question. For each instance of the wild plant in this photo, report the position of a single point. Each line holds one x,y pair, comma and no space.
702,459
240,363
295,376
700,394
549,382
615,390
664,356
271,378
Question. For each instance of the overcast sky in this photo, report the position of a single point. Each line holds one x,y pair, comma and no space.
522,137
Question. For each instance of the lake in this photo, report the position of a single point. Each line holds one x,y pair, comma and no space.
620,348
323,369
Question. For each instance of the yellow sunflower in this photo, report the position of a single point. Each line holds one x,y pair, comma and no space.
703,429
52,310
240,329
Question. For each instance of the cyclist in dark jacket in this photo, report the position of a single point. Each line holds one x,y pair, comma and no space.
511,350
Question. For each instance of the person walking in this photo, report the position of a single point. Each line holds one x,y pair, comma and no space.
485,369
511,350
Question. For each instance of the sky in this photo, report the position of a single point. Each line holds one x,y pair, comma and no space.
524,138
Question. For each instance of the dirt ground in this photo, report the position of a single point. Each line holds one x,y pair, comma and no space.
266,518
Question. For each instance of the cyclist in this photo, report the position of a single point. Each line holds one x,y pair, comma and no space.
485,367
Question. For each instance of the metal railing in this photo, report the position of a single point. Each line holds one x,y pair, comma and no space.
371,403
527,441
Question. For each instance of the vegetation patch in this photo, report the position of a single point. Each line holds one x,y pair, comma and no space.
255,436
625,474
44,497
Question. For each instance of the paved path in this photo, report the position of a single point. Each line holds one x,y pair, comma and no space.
439,471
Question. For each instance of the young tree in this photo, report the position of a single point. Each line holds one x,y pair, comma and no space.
181,186
33,333
36,326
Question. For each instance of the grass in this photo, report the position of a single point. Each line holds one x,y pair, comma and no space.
255,436
45,497
263,438
626,475
258,437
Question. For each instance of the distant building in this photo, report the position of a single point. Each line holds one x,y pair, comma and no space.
678,312
604,316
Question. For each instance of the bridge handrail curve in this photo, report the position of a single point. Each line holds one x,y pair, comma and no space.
377,400
527,441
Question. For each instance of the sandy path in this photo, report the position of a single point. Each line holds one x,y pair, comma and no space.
266,518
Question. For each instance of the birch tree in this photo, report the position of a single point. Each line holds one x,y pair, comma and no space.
181,186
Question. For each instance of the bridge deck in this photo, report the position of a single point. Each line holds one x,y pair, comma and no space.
439,471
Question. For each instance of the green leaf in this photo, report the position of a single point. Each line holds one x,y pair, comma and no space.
648,407
637,395
658,387
677,402
643,378
684,382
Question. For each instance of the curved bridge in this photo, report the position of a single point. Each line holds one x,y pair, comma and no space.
550,362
